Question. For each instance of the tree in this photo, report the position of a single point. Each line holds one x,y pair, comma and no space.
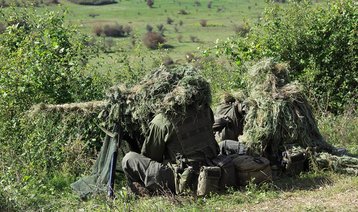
150,3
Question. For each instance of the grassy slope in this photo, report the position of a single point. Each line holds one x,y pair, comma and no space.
137,14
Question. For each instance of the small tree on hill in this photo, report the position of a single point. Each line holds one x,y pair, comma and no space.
152,40
150,3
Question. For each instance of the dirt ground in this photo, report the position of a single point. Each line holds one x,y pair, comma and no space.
339,196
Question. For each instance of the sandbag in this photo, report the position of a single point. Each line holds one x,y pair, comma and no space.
255,169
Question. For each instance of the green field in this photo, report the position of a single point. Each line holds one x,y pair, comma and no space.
221,20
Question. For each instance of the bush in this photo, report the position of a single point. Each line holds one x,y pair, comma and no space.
115,30
197,3
194,39
150,3
152,40
242,29
203,23
98,30
169,20
167,61
319,43
160,28
93,2
210,3
43,60
3,3
183,12
149,28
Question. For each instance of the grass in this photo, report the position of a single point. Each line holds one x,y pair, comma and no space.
221,19
307,192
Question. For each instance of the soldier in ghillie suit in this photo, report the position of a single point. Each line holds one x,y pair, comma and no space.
180,135
229,122
230,115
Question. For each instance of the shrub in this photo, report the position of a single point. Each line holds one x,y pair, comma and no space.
203,22
150,3
194,39
183,12
114,30
149,28
210,3
160,27
54,1
167,61
169,20
242,29
181,23
93,2
319,43
3,3
127,30
190,57
93,15
43,60
197,3
98,30
152,40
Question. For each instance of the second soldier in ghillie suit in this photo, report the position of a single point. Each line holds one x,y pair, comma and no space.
229,122
180,138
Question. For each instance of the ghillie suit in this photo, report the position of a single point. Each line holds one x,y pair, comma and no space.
128,112
278,116
340,164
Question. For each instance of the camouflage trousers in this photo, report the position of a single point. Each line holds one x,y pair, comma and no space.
154,176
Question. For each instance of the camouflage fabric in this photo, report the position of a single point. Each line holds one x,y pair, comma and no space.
159,148
341,164
229,120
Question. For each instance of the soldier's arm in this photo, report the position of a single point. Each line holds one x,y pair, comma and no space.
154,144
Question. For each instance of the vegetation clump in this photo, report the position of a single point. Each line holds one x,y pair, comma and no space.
278,113
93,2
114,30
153,40
318,43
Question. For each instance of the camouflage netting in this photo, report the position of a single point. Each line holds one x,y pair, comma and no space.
127,114
278,113
341,164
169,91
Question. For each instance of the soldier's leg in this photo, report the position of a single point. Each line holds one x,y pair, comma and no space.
228,147
151,174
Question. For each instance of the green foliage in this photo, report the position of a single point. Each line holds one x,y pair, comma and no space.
42,60
318,42
341,131
46,155
93,2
